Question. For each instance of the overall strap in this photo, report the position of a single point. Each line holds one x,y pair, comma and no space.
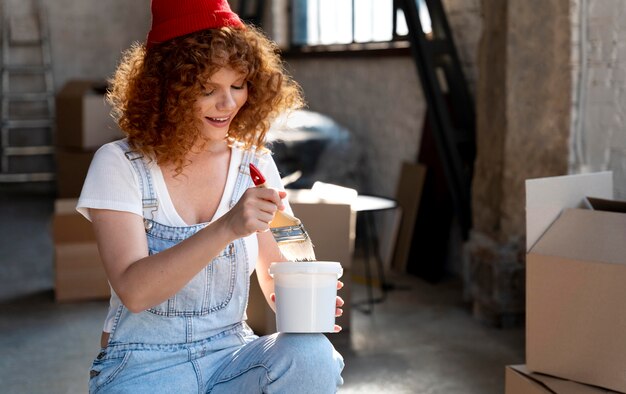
244,180
149,201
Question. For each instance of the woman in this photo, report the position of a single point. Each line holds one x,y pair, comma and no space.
179,228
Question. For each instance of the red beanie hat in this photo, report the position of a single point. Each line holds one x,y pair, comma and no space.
175,18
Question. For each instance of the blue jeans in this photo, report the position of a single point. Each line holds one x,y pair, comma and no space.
234,361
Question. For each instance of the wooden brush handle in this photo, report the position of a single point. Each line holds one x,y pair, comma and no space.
281,219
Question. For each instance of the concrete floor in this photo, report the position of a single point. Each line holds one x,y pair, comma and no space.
421,339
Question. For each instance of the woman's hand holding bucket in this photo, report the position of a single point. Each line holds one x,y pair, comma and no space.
339,302
304,295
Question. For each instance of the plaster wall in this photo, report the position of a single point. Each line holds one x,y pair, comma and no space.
379,101
599,101
88,36
380,98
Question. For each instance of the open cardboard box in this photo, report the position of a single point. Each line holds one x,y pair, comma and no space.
575,281
519,380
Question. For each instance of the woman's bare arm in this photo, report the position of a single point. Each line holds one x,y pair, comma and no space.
269,252
142,281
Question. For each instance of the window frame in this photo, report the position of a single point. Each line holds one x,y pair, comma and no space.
399,45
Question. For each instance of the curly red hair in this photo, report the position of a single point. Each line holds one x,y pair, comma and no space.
153,90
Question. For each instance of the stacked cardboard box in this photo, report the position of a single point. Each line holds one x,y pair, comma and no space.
79,274
84,124
575,275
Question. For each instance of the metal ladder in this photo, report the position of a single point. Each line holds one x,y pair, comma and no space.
27,128
450,105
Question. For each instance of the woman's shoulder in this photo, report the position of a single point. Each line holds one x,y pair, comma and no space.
118,147
112,154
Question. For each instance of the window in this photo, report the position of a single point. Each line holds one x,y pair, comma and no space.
329,22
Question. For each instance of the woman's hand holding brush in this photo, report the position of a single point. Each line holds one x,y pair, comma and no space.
254,211
288,231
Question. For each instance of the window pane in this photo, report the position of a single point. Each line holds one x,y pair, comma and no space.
363,20
335,21
323,22
425,17
373,20
383,20
300,21
402,28
313,27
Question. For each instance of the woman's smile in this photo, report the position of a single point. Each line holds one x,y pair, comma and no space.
225,93
218,122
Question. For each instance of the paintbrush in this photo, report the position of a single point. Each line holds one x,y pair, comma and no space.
293,240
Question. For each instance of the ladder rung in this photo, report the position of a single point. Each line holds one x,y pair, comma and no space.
27,177
26,68
438,46
27,96
33,36
28,123
28,150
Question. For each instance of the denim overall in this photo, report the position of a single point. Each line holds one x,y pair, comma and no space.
197,341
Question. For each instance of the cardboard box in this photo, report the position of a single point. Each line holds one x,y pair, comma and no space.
79,274
331,227
78,270
519,380
72,167
69,226
83,116
575,292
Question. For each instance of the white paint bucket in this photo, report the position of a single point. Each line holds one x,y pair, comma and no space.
306,294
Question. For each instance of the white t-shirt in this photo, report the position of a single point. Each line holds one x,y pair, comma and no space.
112,183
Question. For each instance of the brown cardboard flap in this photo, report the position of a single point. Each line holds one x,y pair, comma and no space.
540,383
519,382
582,234
602,204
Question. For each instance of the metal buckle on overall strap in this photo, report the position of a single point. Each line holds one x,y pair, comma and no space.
151,205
